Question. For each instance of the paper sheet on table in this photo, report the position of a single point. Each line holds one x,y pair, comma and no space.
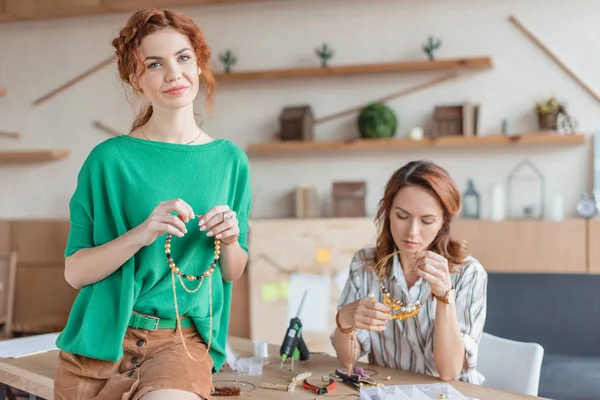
20,347
315,311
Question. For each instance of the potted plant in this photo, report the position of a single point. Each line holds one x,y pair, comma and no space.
548,112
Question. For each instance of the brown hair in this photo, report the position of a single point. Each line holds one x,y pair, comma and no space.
142,24
437,181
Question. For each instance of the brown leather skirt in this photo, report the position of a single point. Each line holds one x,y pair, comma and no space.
153,360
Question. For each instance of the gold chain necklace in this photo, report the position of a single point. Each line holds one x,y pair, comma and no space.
182,276
190,142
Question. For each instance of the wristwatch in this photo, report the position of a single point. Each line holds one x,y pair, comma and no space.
449,297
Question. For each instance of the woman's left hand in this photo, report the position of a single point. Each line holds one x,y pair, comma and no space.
433,268
221,223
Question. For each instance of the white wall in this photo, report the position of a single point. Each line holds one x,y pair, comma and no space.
36,57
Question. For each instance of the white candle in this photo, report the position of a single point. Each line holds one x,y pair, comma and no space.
416,133
558,209
498,203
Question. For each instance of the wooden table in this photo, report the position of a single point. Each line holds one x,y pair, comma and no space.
34,374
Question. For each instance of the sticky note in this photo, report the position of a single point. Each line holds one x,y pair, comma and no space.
269,292
323,256
284,289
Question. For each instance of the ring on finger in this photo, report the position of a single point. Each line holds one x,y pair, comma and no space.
228,215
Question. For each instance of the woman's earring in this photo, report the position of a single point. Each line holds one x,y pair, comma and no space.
199,71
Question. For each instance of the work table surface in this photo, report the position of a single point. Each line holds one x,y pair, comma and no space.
34,374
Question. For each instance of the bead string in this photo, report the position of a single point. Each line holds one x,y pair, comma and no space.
208,273
403,310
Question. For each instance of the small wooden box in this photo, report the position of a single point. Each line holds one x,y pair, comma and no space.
296,123
349,199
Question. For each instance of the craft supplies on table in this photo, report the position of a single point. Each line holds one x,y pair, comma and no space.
435,391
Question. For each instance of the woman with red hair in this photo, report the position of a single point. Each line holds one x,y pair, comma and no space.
151,319
417,300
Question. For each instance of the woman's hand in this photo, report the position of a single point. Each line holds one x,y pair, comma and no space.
433,268
160,221
365,314
221,223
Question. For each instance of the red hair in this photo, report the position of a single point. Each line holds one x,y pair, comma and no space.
145,22
439,183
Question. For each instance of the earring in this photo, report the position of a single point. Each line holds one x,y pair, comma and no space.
199,71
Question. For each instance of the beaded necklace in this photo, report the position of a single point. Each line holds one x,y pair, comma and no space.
400,310
208,273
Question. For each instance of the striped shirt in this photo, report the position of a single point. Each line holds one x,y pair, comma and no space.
408,345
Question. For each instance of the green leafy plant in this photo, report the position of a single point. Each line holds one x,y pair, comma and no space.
324,53
377,120
431,46
228,60
548,107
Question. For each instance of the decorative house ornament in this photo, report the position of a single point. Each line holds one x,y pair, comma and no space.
525,191
471,202
431,46
459,119
324,53
297,123
228,60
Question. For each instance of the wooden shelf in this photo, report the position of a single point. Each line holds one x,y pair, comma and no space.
394,143
345,70
31,156
22,10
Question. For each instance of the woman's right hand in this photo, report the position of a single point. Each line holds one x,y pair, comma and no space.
365,314
161,221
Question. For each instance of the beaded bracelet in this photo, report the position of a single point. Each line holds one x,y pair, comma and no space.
235,239
345,331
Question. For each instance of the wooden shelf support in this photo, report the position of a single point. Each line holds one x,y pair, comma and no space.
31,156
9,135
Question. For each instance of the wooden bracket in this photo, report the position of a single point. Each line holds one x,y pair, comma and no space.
75,80
10,135
3,91
106,128
554,58
389,97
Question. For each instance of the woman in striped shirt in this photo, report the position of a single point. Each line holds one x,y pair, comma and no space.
427,269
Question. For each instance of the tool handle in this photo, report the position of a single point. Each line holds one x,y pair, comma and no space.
290,341
304,353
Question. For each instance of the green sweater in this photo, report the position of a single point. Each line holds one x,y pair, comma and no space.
122,180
